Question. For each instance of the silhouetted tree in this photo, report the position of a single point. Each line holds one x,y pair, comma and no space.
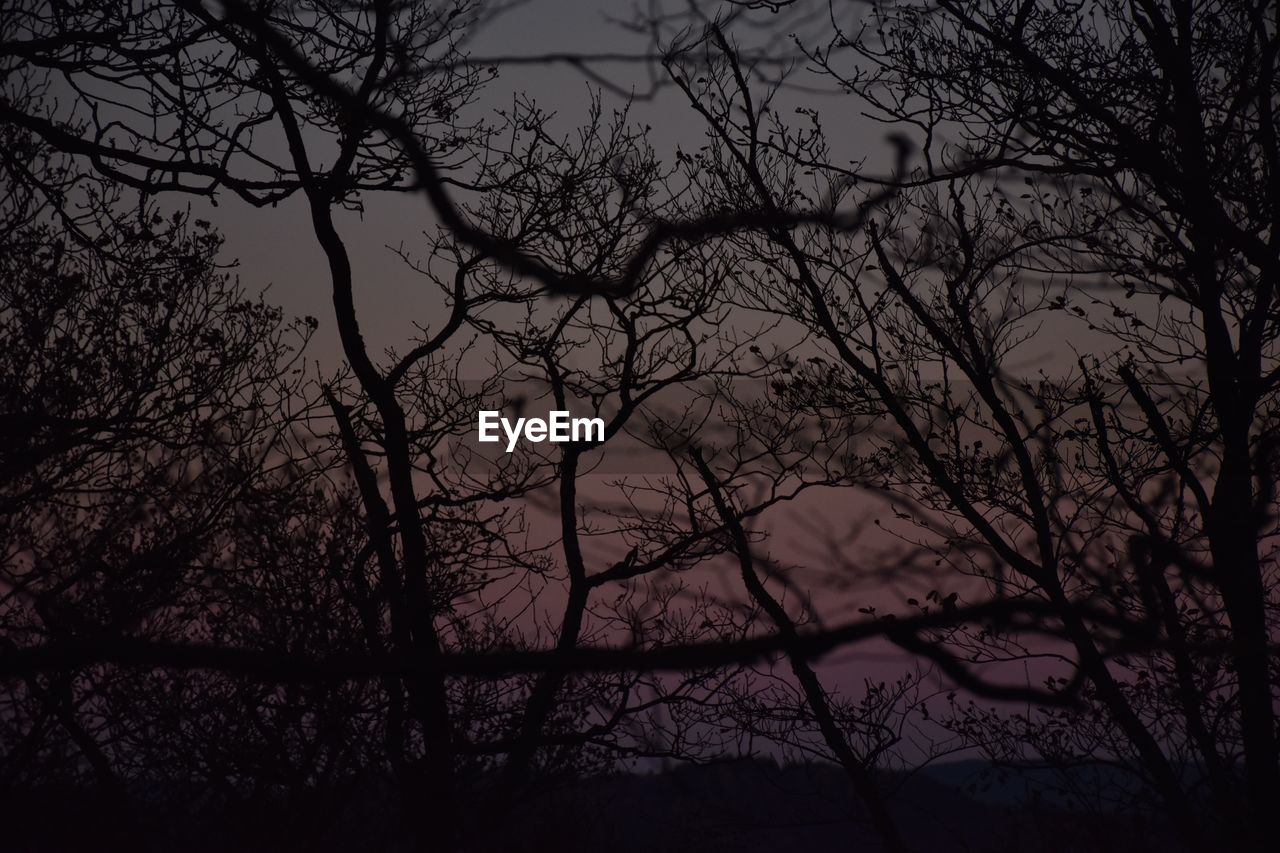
1104,173
445,546
333,578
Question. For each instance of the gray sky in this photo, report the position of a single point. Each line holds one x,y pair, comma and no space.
276,248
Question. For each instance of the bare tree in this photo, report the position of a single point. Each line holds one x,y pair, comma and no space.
1134,473
474,624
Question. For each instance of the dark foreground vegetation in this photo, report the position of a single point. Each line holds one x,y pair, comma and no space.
741,806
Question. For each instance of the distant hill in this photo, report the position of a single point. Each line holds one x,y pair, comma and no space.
747,806
1100,787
